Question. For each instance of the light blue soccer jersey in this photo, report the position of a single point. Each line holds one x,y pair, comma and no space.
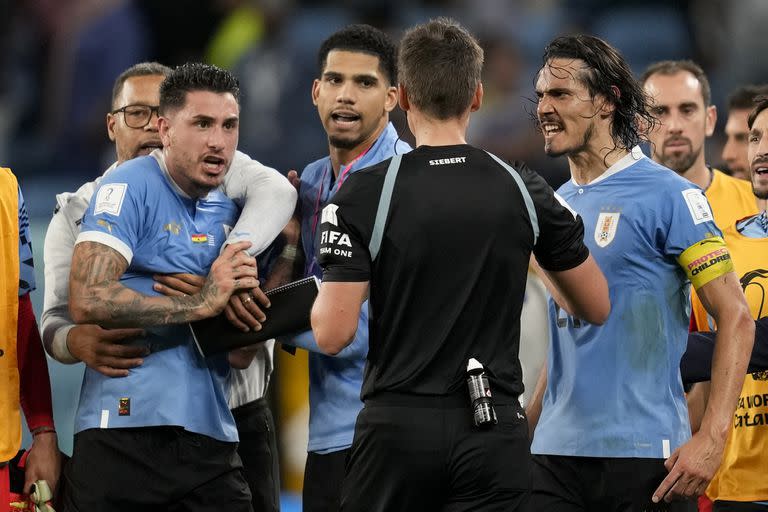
141,213
615,390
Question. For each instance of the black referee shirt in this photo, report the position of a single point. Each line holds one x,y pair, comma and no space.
448,282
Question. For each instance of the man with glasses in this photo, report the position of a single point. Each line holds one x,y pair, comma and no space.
269,204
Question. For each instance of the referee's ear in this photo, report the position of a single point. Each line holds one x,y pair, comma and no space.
477,98
402,98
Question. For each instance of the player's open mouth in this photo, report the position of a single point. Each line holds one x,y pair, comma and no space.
213,163
345,117
551,128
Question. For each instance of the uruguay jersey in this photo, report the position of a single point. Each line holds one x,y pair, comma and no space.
141,213
615,390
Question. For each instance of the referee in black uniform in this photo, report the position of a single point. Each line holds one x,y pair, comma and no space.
443,236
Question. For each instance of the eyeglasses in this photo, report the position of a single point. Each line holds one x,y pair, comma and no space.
137,116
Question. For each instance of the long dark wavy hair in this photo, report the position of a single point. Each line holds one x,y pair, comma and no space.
608,74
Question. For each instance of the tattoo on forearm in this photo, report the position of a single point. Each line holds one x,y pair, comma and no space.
95,287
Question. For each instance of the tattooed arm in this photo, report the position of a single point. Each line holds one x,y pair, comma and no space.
98,297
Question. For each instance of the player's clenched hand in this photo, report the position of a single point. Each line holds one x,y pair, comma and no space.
691,468
104,350
233,270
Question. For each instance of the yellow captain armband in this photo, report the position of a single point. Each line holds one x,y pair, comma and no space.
706,260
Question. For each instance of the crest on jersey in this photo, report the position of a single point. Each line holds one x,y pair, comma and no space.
605,231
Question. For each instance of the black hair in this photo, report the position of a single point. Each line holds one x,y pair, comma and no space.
364,39
195,76
140,69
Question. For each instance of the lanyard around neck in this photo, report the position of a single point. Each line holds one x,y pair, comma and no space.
342,176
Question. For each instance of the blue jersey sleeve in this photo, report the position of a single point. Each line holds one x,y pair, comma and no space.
113,217
689,219
26,264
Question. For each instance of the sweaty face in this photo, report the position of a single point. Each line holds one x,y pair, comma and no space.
133,142
566,111
736,145
758,155
684,121
353,98
200,139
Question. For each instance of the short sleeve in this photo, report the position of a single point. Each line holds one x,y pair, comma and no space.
26,262
689,220
113,216
560,245
346,224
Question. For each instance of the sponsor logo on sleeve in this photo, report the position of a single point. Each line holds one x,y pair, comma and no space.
106,225
697,205
329,215
605,230
109,198
336,243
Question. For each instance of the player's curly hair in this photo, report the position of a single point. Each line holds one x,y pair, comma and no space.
607,74
364,39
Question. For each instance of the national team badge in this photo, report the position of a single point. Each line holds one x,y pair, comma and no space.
124,407
199,238
605,231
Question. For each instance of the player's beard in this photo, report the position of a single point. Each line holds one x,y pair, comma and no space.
345,143
680,164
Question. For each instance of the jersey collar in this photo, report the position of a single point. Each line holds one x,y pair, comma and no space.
626,161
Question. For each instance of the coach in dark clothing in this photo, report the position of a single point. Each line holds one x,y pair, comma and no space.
443,235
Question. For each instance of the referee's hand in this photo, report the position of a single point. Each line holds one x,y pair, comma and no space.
691,467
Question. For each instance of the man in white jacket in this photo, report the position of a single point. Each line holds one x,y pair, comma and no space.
267,200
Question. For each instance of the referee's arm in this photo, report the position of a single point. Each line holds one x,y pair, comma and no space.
335,314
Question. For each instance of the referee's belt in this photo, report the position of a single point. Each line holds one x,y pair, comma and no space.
459,399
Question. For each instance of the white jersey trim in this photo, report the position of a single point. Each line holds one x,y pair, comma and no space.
106,239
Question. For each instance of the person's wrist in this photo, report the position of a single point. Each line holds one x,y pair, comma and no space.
43,432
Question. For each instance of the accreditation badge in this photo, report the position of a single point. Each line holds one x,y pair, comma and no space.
605,230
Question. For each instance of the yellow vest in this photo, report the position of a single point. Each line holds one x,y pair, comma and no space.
10,417
731,199
743,475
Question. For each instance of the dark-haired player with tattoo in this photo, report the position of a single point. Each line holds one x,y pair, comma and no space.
163,436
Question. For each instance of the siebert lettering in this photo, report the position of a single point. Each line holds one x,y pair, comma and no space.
444,161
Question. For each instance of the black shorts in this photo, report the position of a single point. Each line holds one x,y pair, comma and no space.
430,457
323,477
258,452
592,484
153,469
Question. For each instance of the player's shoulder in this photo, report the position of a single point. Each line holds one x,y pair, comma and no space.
313,171
144,170
663,180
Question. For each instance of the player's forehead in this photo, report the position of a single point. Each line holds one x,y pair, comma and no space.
561,73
